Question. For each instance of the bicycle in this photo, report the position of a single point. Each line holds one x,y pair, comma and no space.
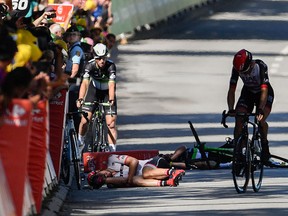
247,154
70,153
220,154
278,162
99,127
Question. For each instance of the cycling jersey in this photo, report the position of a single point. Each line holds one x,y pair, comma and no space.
100,76
116,162
253,81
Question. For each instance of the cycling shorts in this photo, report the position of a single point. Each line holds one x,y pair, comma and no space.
157,162
248,99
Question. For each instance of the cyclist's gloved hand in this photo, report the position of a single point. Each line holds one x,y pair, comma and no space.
79,102
111,102
231,112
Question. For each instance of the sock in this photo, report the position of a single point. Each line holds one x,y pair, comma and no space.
162,183
81,139
169,172
112,147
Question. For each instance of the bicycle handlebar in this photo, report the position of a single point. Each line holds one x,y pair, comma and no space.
107,104
104,104
225,115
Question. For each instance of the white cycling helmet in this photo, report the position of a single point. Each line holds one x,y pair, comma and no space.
100,50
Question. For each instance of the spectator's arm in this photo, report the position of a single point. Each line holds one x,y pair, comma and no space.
43,16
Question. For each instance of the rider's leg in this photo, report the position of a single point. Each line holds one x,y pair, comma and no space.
83,127
263,129
112,133
238,122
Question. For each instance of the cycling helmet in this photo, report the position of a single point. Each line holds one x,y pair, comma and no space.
242,60
100,50
95,180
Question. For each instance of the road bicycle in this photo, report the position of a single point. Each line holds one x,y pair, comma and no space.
247,154
278,162
220,155
70,153
99,127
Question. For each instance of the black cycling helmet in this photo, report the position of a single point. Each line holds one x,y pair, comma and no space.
95,180
242,60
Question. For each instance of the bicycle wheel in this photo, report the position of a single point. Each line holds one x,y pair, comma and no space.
96,136
104,141
75,159
241,165
256,166
278,162
65,164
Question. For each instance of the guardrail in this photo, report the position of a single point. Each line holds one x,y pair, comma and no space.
130,14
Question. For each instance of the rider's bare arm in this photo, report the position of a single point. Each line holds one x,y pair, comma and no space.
132,163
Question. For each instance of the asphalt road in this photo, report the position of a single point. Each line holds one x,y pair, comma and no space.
180,71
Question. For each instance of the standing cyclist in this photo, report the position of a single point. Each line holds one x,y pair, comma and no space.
256,91
99,84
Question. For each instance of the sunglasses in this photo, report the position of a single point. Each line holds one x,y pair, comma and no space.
101,58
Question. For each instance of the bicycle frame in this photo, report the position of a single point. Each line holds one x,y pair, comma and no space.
99,127
203,149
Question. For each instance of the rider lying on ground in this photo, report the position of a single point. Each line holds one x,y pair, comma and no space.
191,158
127,171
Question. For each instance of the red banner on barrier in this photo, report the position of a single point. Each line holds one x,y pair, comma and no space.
37,152
98,160
14,147
56,123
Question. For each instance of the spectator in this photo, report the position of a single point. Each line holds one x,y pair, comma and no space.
105,20
110,41
76,54
8,49
56,31
96,35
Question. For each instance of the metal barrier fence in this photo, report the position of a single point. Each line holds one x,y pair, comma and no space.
130,14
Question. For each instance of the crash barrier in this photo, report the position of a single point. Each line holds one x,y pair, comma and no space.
98,160
130,14
57,108
6,203
14,148
30,155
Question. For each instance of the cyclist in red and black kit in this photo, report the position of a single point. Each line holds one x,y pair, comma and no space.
99,84
257,91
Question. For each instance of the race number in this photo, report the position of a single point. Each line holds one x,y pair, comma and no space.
22,6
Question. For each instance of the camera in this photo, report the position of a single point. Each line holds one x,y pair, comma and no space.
51,16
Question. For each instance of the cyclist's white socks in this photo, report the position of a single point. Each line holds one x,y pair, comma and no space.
112,147
81,139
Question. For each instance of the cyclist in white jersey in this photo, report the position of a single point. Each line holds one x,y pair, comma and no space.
127,171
